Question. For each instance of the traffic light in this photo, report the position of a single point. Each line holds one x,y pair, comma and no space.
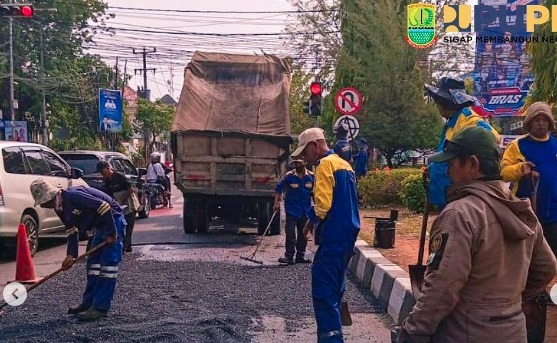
17,10
315,99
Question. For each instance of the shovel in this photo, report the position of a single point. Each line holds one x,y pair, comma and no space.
534,194
417,271
58,271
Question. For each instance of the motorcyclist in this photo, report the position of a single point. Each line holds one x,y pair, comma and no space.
156,173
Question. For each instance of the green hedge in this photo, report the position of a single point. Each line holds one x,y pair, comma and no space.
412,193
383,187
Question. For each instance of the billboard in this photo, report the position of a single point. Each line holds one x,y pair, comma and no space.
502,73
15,131
110,110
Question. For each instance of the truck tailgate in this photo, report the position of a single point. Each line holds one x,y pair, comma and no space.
226,164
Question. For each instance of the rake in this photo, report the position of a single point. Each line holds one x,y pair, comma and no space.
251,258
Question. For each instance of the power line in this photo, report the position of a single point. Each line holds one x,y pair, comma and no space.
224,12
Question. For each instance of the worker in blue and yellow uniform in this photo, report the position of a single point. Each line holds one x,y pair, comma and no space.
533,158
83,208
454,106
296,185
335,221
342,146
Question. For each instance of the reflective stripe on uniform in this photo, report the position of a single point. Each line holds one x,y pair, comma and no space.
109,275
109,268
330,334
93,272
94,266
104,208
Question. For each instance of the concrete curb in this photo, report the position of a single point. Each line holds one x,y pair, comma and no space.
389,283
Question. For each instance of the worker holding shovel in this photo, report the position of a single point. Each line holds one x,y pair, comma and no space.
530,163
80,209
487,253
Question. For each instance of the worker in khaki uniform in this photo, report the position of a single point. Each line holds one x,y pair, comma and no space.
487,253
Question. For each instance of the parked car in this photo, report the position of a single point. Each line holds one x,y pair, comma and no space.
87,160
22,163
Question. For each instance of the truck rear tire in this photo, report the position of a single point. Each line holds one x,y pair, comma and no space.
202,217
190,213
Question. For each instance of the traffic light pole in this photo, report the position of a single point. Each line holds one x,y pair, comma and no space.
12,91
44,120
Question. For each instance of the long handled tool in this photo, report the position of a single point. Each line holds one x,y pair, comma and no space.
417,271
58,271
534,194
252,256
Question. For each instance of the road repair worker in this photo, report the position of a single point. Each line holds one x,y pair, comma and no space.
82,208
454,105
487,253
117,186
297,185
342,146
530,163
362,158
335,217
535,156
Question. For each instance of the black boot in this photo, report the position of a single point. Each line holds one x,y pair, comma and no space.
78,309
286,260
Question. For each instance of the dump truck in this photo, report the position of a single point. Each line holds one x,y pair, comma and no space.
231,139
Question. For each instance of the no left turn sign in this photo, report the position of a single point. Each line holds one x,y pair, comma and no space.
348,101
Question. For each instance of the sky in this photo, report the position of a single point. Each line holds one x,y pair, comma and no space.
176,35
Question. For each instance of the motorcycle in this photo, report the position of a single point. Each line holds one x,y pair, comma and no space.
157,194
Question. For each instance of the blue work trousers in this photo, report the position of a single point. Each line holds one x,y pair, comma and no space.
295,241
328,285
102,268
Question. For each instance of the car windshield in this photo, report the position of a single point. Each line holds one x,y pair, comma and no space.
87,163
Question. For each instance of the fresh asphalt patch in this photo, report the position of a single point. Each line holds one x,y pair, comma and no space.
180,301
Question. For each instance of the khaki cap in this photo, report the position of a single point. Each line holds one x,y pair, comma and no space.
43,191
313,134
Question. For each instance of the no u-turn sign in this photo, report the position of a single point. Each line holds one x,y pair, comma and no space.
348,101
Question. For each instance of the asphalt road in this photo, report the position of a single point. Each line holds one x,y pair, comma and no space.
227,299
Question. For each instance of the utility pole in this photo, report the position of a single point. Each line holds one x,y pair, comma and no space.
146,93
12,91
44,120
172,80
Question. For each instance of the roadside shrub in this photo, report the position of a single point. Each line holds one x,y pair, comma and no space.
412,193
382,187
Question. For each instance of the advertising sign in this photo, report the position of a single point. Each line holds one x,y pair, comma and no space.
110,110
502,73
15,131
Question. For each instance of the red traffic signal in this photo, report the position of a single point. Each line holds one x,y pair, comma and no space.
316,88
17,10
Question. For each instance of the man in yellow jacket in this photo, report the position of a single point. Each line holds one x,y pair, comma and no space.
530,163
455,106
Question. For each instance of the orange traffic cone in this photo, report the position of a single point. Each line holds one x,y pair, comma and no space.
24,269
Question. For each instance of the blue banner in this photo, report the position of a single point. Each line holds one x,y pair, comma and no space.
110,110
502,73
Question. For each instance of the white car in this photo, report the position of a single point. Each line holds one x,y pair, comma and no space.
21,163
